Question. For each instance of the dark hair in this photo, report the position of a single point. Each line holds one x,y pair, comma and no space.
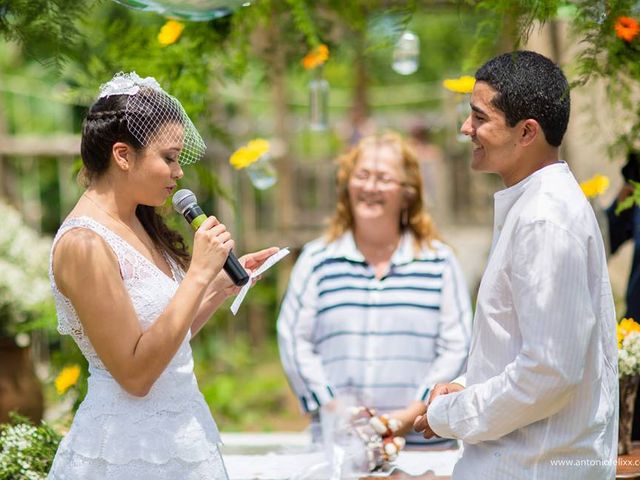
106,124
529,85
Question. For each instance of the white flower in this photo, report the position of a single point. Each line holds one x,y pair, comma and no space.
24,263
629,355
127,84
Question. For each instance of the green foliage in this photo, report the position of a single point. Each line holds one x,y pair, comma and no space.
631,200
46,29
511,21
303,21
26,451
244,386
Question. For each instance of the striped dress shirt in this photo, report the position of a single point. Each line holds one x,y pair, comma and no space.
383,341
541,400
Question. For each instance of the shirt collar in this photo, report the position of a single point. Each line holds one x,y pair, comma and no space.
505,199
345,247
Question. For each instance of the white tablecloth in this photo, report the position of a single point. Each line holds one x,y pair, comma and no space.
279,456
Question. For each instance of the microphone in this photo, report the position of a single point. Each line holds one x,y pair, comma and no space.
186,204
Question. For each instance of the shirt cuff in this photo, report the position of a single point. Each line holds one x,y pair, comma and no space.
423,394
316,398
438,417
461,380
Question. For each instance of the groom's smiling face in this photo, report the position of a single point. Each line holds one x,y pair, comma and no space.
494,142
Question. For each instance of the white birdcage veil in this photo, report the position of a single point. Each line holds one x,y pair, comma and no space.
154,115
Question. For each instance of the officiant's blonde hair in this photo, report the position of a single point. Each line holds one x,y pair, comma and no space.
417,219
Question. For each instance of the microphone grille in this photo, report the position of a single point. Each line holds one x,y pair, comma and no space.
182,199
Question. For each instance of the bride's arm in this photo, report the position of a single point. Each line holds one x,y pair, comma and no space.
88,274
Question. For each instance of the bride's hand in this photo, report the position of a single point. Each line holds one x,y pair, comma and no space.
251,261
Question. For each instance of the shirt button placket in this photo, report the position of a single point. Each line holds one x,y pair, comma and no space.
372,326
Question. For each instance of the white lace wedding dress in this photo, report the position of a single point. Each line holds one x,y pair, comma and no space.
168,434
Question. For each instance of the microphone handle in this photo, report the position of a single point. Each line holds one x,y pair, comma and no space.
235,270
238,275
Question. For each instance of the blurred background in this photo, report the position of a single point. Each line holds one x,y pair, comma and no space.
238,69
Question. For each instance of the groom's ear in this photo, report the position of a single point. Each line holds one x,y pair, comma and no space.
529,132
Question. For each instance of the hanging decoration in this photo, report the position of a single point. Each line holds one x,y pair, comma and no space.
318,88
192,10
406,54
318,104
254,158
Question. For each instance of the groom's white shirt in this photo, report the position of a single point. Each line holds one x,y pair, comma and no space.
541,397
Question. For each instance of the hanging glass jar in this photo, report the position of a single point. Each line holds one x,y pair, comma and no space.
262,173
406,54
255,159
318,103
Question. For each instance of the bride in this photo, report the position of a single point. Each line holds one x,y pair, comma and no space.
132,297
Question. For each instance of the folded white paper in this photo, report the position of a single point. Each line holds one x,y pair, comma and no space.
269,262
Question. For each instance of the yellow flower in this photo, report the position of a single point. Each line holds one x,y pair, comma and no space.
463,84
624,328
249,153
595,186
170,32
316,57
67,378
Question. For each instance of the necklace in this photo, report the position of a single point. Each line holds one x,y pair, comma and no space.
153,250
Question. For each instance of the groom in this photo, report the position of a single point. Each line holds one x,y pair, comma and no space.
541,395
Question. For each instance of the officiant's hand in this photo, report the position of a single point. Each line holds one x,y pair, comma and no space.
407,416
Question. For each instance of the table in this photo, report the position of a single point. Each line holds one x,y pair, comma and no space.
279,456
629,465
247,447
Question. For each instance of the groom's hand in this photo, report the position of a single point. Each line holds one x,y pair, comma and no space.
443,389
421,423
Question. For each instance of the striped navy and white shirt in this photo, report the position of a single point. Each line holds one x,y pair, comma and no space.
387,341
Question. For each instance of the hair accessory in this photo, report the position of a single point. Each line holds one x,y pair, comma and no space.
128,84
154,116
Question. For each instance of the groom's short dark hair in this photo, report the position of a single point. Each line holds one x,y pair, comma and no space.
529,85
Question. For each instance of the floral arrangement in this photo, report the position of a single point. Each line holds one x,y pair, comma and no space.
628,332
170,32
26,450
249,153
463,84
24,263
596,185
316,57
